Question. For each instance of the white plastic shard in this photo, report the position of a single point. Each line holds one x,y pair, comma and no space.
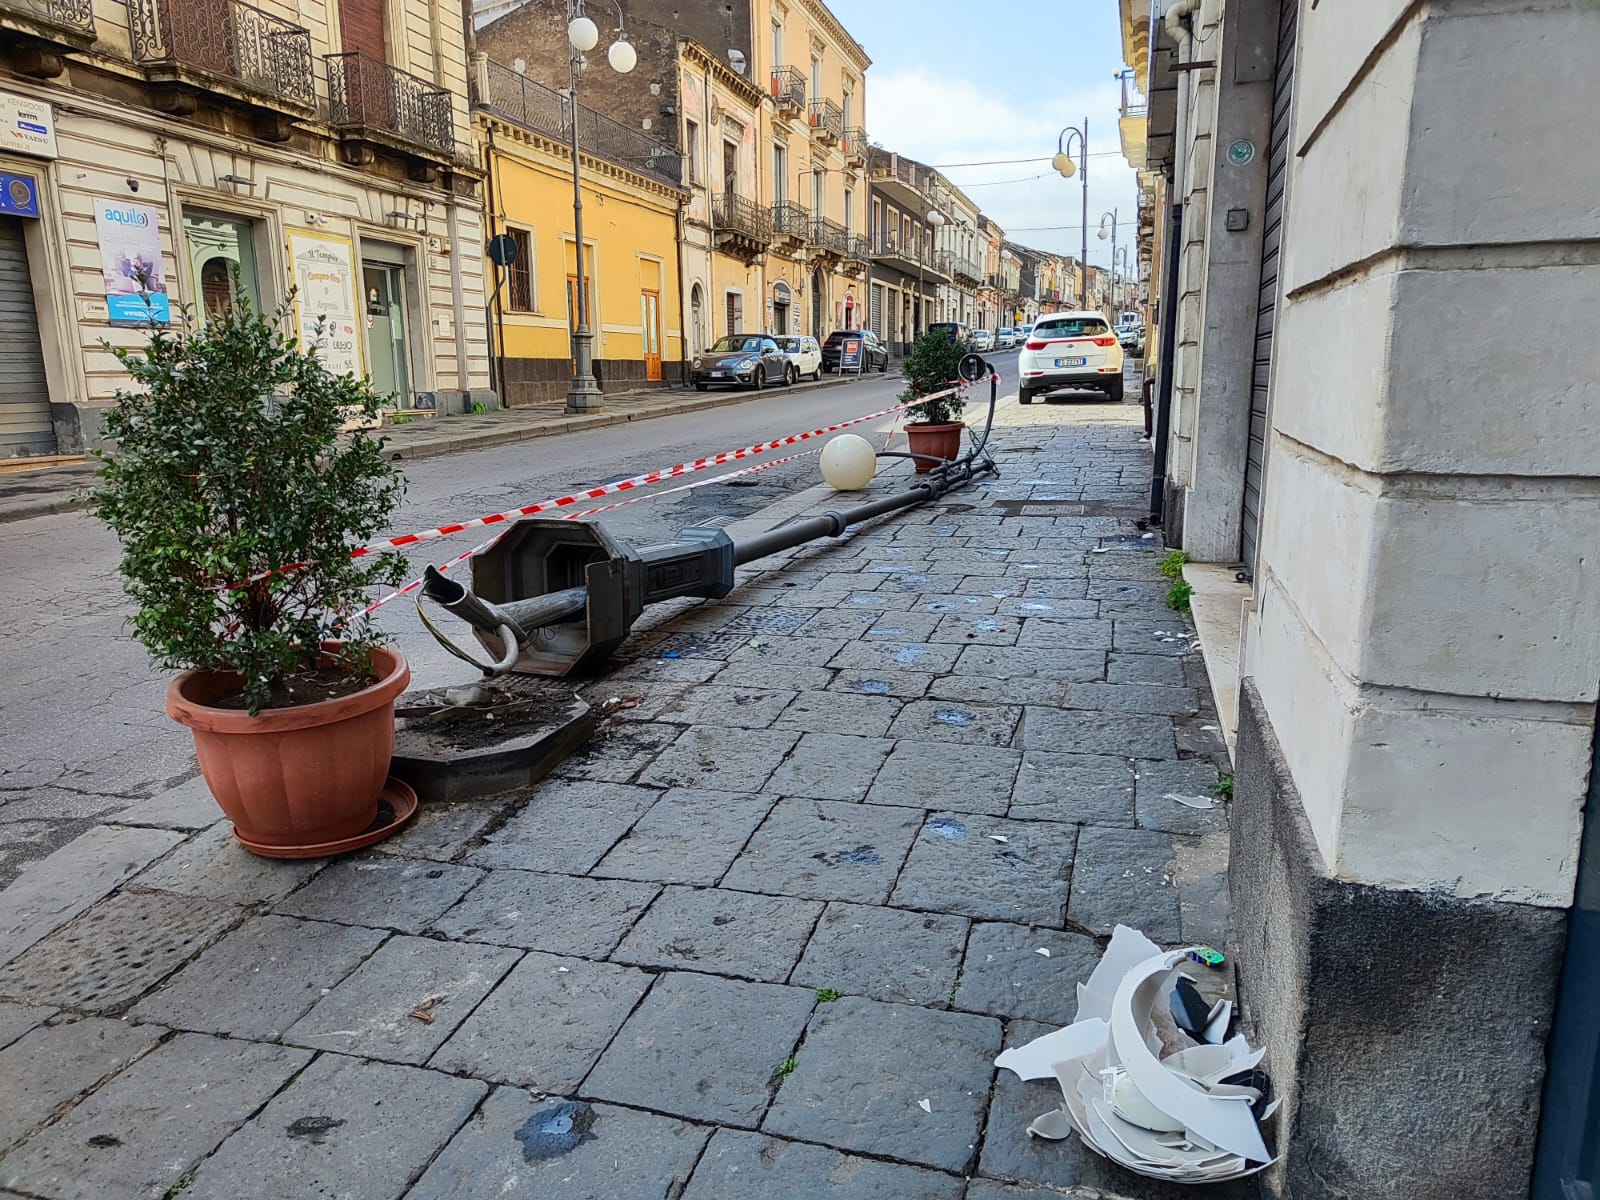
1053,1126
1037,1059
1127,950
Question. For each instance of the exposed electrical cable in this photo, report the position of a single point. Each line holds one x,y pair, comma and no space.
1009,162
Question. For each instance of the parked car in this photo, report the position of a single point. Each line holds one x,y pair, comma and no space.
954,330
742,360
1070,349
1006,339
982,339
803,352
1022,333
874,354
1131,338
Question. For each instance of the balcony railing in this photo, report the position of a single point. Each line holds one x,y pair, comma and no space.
827,119
736,216
854,144
368,97
225,40
522,101
789,89
857,248
829,237
791,221
68,21
1133,104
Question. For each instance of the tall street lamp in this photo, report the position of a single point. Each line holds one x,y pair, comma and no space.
1063,163
583,35
1102,235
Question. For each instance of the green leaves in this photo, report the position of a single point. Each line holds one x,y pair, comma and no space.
931,367
237,500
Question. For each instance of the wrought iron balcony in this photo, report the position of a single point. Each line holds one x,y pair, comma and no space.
857,253
68,24
741,227
370,101
827,120
522,101
789,91
965,268
854,144
227,46
828,237
791,225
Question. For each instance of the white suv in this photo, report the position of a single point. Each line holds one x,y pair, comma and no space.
1070,349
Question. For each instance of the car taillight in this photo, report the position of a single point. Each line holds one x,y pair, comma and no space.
1036,345
1106,341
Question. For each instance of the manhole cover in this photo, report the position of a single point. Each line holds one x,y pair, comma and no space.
116,951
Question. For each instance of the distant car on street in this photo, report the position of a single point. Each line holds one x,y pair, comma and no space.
874,354
982,339
1131,338
803,352
954,330
1022,333
1006,339
742,360
1075,349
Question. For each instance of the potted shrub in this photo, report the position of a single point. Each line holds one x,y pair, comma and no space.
237,501
930,367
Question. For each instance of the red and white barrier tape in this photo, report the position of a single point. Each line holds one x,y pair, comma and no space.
648,478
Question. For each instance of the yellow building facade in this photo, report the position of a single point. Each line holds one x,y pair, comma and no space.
630,235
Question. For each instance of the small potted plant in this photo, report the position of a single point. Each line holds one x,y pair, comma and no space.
237,502
932,367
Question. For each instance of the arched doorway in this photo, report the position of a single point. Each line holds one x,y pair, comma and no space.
851,316
697,319
781,299
817,297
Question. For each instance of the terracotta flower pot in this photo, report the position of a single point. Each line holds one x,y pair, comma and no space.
938,441
294,776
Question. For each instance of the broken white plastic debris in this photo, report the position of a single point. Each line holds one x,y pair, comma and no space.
998,837
924,1106
1100,550
1145,537
1202,802
1053,1126
1037,1059
1044,950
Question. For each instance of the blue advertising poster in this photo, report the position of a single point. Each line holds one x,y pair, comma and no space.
130,262
19,195
850,354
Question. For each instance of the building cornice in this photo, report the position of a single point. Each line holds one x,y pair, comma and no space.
823,15
699,56
559,154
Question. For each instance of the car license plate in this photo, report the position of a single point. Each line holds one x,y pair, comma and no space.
1070,362
719,374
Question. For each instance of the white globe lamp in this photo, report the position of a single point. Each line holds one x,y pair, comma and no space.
1063,163
622,57
848,463
583,33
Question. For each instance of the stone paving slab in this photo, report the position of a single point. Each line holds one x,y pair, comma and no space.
370,1013
188,807
905,685
830,766
1005,975
617,753
1125,877
129,1138
215,866
260,979
840,712
957,723
1090,789
52,891
703,1048
748,1166
347,1128
551,1149
922,774
721,932
559,914
403,894
116,951
442,831
549,834
686,837
825,850
958,864
17,1019
544,1026
864,1068
884,954
1131,735
1188,777
1009,662
54,1063
732,760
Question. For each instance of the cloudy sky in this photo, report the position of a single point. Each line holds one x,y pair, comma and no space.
977,82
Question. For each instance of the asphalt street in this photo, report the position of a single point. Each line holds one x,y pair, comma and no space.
86,732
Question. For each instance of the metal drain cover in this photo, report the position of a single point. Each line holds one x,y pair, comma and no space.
118,950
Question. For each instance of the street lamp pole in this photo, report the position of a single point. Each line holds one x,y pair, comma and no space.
582,36
1063,163
1112,217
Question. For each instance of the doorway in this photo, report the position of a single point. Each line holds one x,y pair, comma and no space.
222,260
697,319
650,317
816,306
388,357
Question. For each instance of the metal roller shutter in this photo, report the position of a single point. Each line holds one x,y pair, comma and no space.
25,426
1267,297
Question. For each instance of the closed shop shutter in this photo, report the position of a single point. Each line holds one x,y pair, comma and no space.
361,27
877,309
1267,297
25,426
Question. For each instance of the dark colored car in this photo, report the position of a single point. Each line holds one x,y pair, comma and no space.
742,360
874,354
954,330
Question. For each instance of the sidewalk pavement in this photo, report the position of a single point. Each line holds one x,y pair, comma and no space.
25,494
762,939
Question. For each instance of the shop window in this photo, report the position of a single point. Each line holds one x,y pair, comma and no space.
521,271
222,259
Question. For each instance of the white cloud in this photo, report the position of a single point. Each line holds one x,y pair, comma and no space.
952,120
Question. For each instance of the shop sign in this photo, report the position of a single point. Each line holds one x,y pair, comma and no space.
325,301
850,355
130,262
27,126
19,195
781,293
